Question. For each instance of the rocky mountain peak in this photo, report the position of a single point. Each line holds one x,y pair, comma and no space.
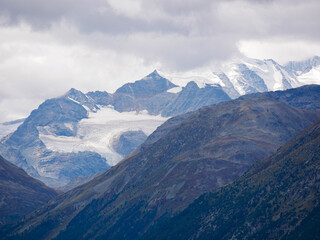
74,94
150,85
154,74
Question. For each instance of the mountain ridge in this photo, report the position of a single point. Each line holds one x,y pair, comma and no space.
20,194
276,199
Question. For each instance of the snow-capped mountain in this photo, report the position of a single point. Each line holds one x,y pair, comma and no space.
81,134
253,75
244,76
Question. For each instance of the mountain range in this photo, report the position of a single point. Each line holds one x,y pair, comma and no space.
187,156
81,134
72,138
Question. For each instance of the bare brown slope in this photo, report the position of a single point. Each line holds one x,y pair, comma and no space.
208,149
20,194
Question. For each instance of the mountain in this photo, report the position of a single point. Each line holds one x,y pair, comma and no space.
20,194
77,135
278,198
150,93
147,87
158,95
245,75
187,156
59,118
192,98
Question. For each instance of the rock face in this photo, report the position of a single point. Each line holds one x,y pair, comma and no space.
128,141
20,194
186,157
278,198
192,98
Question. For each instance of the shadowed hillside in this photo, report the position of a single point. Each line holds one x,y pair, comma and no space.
20,194
279,198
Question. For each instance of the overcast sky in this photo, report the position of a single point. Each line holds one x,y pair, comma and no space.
47,47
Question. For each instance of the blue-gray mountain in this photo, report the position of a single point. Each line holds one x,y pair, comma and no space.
26,150
60,117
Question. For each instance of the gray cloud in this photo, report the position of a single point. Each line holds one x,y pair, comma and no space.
165,16
180,34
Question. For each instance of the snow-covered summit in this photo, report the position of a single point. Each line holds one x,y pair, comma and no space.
302,67
242,76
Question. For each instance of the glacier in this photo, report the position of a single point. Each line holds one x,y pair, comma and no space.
98,132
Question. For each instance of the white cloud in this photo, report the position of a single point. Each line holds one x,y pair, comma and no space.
35,66
280,50
130,8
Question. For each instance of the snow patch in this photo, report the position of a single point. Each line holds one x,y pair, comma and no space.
201,77
69,126
277,76
175,90
74,100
